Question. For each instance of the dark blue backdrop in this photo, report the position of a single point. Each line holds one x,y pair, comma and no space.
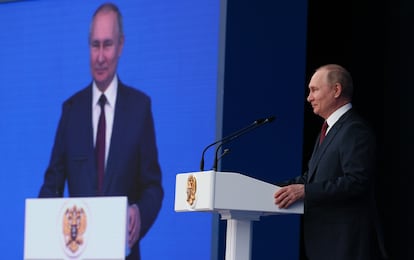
265,60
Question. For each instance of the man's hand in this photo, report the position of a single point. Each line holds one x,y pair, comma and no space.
134,224
288,195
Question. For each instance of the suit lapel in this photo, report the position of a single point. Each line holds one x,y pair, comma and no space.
319,150
81,130
86,118
120,122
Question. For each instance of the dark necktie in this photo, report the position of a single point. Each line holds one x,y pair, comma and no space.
323,132
100,144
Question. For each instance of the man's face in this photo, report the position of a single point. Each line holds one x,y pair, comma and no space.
322,95
105,48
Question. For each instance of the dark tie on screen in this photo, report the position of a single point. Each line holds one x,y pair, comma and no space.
100,144
323,132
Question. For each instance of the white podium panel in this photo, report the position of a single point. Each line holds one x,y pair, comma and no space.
239,199
228,191
76,228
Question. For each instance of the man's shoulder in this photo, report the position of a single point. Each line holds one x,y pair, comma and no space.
358,118
83,94
131,91
127,92
357,123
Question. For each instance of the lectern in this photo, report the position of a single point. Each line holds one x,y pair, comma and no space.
76,228
239,199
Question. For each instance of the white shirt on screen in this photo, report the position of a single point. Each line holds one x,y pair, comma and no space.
110,94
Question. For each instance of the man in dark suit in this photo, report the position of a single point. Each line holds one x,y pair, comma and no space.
129,158
340,220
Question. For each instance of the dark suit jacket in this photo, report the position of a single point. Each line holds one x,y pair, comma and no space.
339,214
132,166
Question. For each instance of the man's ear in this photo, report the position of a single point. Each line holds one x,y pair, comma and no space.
338,90
121,45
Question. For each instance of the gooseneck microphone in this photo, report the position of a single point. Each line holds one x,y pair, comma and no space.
255,124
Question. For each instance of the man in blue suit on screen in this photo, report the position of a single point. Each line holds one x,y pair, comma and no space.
112,153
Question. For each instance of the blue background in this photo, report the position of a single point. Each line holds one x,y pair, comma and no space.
175,51
265,60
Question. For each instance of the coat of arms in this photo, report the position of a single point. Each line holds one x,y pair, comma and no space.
191,189
74,226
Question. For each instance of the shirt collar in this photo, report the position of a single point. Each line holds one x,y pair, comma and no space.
110,92
337,114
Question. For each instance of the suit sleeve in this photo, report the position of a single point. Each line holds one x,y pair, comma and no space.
151,196
297,180
54,177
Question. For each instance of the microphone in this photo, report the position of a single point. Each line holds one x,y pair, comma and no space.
255,124
226,151
216,158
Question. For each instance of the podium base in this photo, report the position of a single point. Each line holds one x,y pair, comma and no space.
239,233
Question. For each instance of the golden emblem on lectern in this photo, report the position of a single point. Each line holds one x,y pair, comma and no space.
191,189
74,226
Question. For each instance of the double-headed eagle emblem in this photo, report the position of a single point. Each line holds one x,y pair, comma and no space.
191,189
74,227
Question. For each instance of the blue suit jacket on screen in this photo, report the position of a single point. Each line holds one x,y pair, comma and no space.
132,168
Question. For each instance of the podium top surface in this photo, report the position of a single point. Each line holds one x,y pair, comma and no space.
227,191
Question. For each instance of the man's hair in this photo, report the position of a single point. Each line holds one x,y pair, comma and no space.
109,7
338,74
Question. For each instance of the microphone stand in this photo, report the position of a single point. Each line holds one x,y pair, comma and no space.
231,137
254,125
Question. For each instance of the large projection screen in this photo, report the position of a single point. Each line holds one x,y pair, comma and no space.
171,53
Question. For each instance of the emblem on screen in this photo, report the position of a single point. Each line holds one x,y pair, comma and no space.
74,227
191,190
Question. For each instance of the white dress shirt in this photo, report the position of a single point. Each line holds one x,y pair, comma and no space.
110,94
336,115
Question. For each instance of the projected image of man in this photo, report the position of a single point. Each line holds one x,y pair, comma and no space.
105,144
